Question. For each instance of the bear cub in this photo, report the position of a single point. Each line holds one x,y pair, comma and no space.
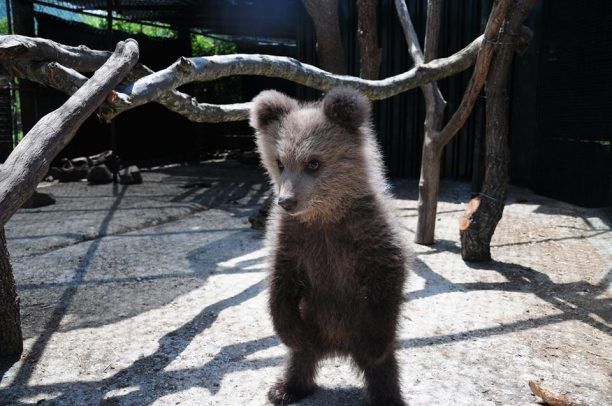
336,260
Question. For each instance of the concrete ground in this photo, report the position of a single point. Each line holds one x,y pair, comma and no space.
155,294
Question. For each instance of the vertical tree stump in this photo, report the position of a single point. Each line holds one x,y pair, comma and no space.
482,214
11,339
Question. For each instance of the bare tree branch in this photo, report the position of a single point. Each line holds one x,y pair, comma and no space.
178,102
67,80
414,47
432,30
28,163
50,74
80,58
435,105
203,69
160,86
151,86
491,35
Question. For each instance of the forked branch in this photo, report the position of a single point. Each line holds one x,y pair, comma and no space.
161,86
483,61
29,162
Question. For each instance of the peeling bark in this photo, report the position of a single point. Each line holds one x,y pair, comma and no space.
370,54
478,223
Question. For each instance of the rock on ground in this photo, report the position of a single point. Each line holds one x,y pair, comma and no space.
156,294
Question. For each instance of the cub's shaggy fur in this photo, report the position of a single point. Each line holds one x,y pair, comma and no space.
337,264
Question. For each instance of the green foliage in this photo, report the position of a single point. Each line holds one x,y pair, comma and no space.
4,25
131,27
203,46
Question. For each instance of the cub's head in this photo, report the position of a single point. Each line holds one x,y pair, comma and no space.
315,153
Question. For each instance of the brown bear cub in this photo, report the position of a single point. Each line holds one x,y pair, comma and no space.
337,262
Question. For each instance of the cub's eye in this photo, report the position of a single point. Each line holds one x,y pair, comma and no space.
313,165
280,164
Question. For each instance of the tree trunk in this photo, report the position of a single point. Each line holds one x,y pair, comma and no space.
435,140
429,186
477,225
10,326
367,29
324,14
484,212
429,182
28,164
11,345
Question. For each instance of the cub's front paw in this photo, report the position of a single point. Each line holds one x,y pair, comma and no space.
283,394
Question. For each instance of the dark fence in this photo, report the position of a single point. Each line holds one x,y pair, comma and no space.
151,134
573,152
6,123
399,120
560,126
147,133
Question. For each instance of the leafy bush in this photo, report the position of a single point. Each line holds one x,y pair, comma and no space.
4,25
203,46
131,27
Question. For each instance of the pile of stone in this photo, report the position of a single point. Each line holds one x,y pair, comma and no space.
97,169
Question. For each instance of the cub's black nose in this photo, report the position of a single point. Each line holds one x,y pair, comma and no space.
287,203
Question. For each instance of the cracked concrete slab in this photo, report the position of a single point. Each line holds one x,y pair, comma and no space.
173,311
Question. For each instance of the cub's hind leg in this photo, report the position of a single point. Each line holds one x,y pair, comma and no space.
298,380
382,380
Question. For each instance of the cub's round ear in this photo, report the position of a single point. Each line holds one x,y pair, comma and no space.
347,107
269,107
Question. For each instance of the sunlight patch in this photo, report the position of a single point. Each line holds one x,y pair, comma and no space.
113,393
473,314
40,398
232,263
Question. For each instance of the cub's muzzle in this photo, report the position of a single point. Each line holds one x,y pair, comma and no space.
287,203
